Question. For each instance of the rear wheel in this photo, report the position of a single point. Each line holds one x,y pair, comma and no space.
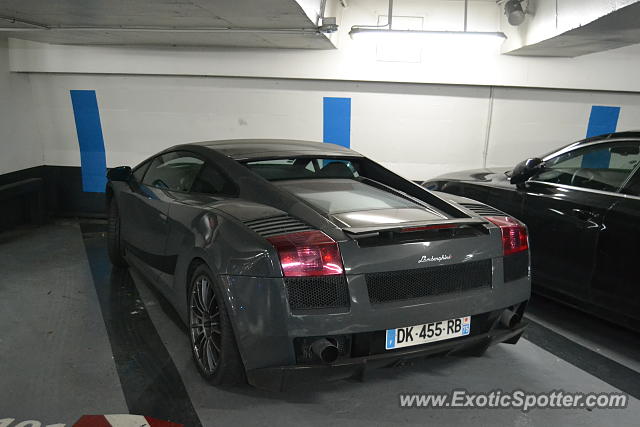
213,343
114,243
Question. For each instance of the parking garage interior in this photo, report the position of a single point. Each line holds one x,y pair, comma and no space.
424,88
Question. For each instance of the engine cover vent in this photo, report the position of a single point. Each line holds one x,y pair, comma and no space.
273,226
482,210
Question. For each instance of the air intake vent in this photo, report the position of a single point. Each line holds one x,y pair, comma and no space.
308,293
423,282
482,210
283,224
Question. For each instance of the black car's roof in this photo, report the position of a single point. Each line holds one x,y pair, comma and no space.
247,149
632,134
614,136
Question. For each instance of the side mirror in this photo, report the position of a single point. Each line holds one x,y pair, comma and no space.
121,173
525,170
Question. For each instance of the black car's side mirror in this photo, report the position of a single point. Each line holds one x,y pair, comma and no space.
121,173
525,170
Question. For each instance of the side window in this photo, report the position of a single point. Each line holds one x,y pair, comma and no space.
600,167
173,171
633,187
211,181
139,172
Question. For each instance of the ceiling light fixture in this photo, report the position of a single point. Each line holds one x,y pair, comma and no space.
387,30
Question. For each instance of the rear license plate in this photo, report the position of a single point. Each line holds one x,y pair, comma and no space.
429,332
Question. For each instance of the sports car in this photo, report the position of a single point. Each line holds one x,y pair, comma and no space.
294,261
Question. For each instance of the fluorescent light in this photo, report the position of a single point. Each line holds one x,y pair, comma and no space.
358,32
469,43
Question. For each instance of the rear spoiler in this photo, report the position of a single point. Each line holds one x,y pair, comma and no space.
408,226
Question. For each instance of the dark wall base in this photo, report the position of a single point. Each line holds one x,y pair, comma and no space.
65,196
33,195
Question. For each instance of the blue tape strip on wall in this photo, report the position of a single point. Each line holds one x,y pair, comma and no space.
92,155
336,125
601,121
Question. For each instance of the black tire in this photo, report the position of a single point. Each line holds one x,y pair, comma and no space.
114,243
213,342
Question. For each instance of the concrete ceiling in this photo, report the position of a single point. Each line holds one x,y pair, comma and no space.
617,29
570,28
229,23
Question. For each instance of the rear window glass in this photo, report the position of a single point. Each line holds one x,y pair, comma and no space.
343,195
304,168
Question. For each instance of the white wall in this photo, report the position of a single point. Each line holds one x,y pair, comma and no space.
421,119
20,144
530,122
420,131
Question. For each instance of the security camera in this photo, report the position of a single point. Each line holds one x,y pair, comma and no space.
514,12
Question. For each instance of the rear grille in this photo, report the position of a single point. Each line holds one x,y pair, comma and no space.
482,210
308,293
422,282
277,225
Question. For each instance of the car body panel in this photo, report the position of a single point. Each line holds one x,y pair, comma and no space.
405,256
245,149
262,318
617,249
583,241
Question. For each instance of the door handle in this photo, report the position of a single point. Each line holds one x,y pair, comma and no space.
584,214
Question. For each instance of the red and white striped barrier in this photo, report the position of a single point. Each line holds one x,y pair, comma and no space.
122,421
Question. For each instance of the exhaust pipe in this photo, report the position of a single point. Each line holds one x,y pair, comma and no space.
326,351
509,319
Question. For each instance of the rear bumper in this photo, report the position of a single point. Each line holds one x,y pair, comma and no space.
267,331
282,377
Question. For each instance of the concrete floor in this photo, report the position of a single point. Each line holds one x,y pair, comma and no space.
79,339
56,362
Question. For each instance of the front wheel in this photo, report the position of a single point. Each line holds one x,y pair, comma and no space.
212,339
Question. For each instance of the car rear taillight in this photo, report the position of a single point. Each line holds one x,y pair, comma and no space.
514,234
308,253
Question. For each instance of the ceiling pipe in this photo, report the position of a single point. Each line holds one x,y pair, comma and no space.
320,16
33,26
171,30
379,27
466,12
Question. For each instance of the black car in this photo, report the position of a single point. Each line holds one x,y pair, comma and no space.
301,260
581,204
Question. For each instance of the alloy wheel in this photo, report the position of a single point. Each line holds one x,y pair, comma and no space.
204,322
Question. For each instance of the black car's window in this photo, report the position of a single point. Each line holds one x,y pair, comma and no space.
304,168
600,167
173,171
634,189
633,186
211,181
